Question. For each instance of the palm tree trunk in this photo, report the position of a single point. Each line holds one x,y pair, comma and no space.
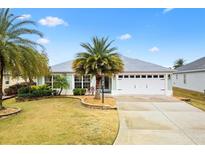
30,80
97,87
60,91
1,84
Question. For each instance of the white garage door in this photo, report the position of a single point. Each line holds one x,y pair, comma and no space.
141,84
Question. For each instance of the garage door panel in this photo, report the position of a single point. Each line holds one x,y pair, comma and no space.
141,86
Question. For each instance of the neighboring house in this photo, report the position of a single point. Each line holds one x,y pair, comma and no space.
8,80
191,76
138,77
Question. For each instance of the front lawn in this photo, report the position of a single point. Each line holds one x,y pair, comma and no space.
197,98
58,121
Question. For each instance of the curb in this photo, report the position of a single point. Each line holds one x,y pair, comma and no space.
113,143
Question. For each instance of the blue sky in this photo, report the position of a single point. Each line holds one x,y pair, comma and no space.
156,35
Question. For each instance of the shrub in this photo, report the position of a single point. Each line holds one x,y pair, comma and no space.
40,93
79,91
34,91
13,89
41,87
25,95
24,90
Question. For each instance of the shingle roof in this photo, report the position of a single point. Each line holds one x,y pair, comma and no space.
130,65
62,67
198,64
136,65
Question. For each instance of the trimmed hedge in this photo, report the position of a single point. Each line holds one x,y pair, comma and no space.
13,89
79,91
34,91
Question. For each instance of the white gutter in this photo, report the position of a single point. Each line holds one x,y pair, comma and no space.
190,71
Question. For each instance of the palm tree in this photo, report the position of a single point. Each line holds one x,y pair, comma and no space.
98,60
178,63
32,60
13,44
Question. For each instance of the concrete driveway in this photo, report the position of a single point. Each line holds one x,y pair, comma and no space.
159,120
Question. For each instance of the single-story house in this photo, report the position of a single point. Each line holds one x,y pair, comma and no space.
138,77
8,80
191,76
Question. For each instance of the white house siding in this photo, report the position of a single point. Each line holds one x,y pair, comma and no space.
194,81
113,82
40,81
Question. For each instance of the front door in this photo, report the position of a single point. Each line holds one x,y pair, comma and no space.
107,84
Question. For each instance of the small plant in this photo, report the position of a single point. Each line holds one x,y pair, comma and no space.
79,91
61,83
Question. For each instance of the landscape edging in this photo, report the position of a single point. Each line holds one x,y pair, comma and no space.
8,114
95,106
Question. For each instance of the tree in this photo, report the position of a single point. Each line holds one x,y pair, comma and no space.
14,46
32,60
178,63
60,82
98,60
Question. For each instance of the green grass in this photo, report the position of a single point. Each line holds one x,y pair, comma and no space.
58,121
197,98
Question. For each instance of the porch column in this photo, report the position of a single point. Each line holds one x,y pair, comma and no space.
43,80
52,82
166,84
73,82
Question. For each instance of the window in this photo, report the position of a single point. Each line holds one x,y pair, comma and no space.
126,76
161,76
120,76
176,76
149,76
48,80
137,76
155,76
132,76
86,81
78,81
184,78
7,79
143,76
82,82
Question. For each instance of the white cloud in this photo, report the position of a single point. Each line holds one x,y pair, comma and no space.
52,21
125,37
43,41
24,16
154,49
167,10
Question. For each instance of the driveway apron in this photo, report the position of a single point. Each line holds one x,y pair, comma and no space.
159,120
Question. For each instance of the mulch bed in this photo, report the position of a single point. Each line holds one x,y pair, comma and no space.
94,106
9,111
